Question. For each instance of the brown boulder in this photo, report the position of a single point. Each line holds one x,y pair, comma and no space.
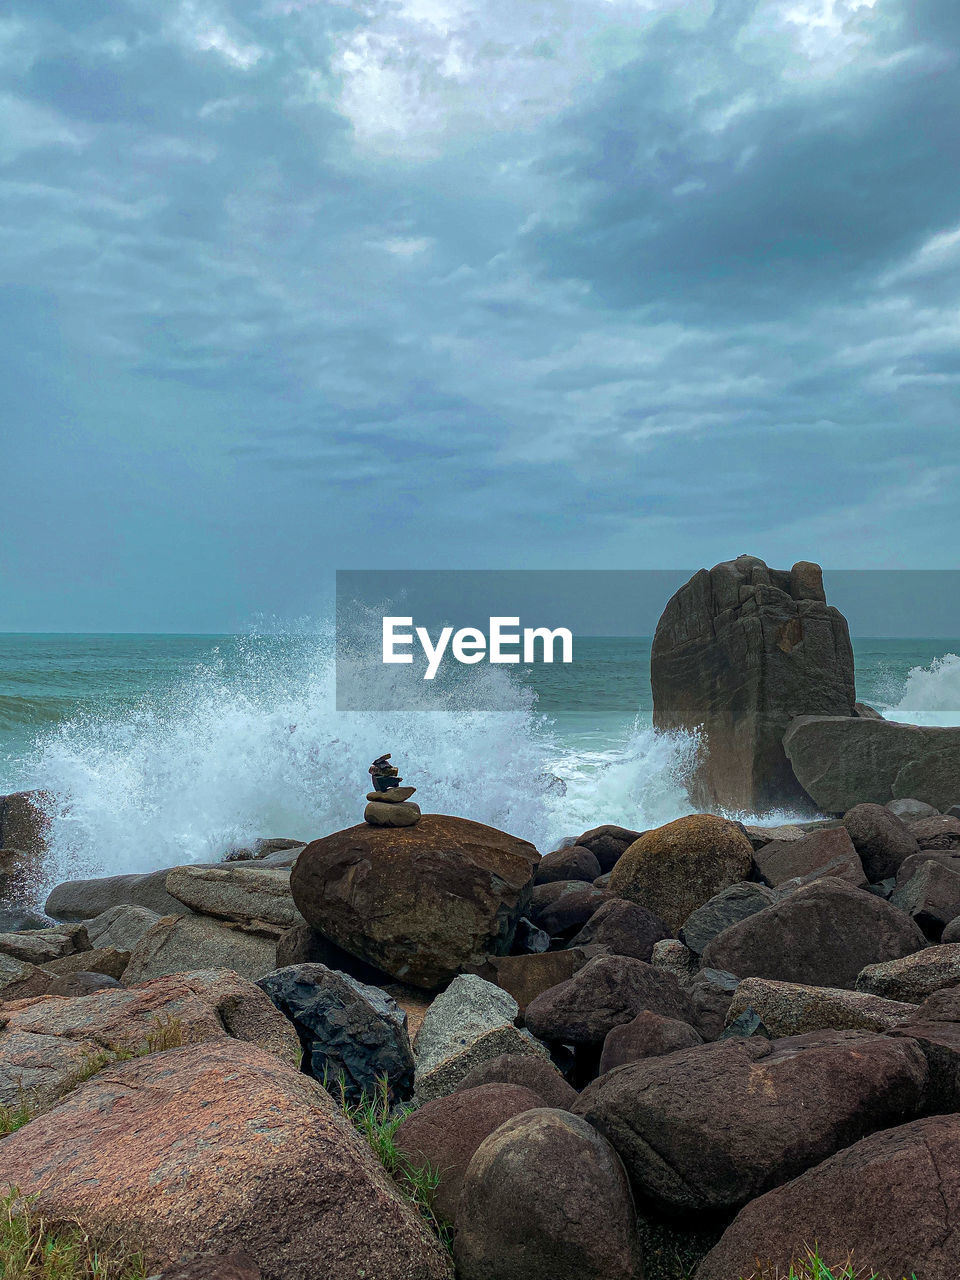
606,993
674,869
527,1069
110,961
931,897
526,977
940,833
881,839
648,1035
913,977
624,929
573,863
739,651
830,851
419,902
20,980
823,936
23,823
607,843
46,1042
444,1134
712,1127
197,1149
545,1198
892,1200
563,907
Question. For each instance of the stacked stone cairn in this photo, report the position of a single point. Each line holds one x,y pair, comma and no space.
389,804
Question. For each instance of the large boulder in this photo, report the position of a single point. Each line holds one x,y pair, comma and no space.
21,980
842,761
39,946
197,1149
726,908
564,906
892,1201
939,834
46,1043
606,993
444,1134
419,902
354,1037
607,843
572,863
674,869
236,892
710,1128
790,1009
931,897
122,926
913,977
177,943
545,1198
648,1035
823,936
881,839
525,977
826,852
84,899
623,928
527,1069
738,653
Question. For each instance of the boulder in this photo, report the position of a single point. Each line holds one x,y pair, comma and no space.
575,863
881,839
763,835
196,1150
239,893
606,993
710,1128
21,877
45,1044
913,977
419,902
941,833
623,928
940,1042
38,946
674,869
84,899
469,1007
672,956
791,1009
24,825
841,762
525,977
177,943
942,1006
822,936
710,992
607,843
354,1037
910,866
648,1035
20,980
121,927
444,1134
81,983
909,810
106,960
738,653
530,1070
724,909
564,906
449,1073
528,939
931,897
303,945
952,932
829,852
545,1198
19,919
892,1200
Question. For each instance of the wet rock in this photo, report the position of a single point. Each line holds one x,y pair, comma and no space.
607,843
19,919
824,852
418,902
178,943
674,869
237,893
623,928
648,1035
881,839
711,1128
575,863
913,977
565,906
724,909
892,1200
23,822
823,935
606,993
533,1071
545,1198
790,1009
354,1037
248,1127
444,1134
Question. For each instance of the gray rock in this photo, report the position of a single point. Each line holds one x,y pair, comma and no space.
913,977
710,992
672,956
393,795
882,840
745,1024
121,927
468,1008
39,946
82,983
740,651
354,1036
909,809
176,944
842,762
791,1009
449,1073
236,892
84,899
107,960
760,836
723,910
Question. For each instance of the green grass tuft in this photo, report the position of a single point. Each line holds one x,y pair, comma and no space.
33,1249
813,1267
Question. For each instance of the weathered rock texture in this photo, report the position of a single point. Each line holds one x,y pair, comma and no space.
740,651
843,762
177,943
84,899
221,1147
236,892
419,902
791,1009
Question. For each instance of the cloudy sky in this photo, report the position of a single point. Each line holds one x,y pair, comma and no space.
292,285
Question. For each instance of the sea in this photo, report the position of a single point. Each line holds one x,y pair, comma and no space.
159,749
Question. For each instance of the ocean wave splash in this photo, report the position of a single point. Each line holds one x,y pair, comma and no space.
931,694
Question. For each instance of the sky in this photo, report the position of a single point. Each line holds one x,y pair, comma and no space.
290,286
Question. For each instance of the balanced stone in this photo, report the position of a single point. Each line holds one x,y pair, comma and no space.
395,795
391,815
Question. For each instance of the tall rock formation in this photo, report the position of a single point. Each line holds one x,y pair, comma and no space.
740,651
